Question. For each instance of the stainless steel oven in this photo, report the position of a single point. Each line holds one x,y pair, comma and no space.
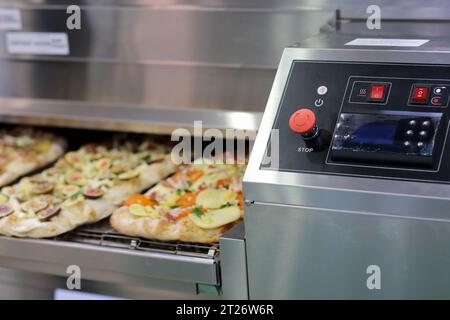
144,67
349,175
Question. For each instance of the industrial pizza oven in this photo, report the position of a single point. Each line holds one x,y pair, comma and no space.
144,68
113,265
346,189
350,173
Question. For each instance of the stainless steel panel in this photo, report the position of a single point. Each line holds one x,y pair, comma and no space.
21,285
321,254
354,9
155,34
146,86
120,118
346,198
110,264
16,284
105,264
323,231
234,264
393,29
212,61
397,192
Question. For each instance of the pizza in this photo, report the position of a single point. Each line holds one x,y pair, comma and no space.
196,204
83,187
24,150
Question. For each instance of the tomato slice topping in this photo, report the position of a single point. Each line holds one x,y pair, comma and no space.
223,182
186,213
240,199
140,199
186,200
194,175
176,175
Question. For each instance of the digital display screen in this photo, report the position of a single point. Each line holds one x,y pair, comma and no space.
374,133
385,137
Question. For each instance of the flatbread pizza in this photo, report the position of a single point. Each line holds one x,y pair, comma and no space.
197,204
24,150
83,187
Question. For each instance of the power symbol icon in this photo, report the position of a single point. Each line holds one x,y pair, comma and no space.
318,102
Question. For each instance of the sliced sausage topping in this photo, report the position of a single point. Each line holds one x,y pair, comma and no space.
93,193
43,187
5,210
49,213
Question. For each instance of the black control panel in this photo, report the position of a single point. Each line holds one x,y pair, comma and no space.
365,119
406,138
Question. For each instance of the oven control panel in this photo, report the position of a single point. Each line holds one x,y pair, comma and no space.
386,138
365,119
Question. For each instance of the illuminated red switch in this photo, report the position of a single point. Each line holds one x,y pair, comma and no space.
377,92
420,95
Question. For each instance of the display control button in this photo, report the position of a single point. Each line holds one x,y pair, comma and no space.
369,92
412,123
423,134
438,90
420,144
436,101
420,95
409,133
322,90
426,123
407,143
377,92
302,121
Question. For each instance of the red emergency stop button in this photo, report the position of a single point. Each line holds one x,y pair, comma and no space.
302,121
419,95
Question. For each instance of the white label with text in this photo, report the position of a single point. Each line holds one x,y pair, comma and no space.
45,43
10,19
383,42
304,149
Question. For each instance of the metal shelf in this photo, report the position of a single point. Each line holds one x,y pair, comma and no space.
120,118
107,256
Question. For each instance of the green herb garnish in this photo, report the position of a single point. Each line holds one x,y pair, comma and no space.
197,212
228,204
75,195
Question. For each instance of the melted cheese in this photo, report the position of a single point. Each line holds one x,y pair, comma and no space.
214,198
216,218
209,179
170,199
3,198
26,226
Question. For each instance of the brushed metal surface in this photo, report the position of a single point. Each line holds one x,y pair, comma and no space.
350,9
210,62
18,284
358,187
318,254
233,264
230,37
105,264
120,118
323,231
